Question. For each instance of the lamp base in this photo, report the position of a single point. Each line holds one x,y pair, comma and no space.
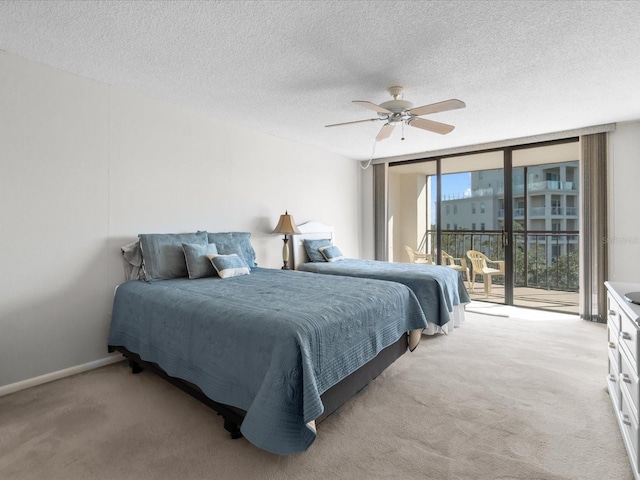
285,254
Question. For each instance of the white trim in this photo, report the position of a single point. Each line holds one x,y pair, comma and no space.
67,372
545,137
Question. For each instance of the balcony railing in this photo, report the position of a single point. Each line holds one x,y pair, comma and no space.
538,211
478,192
542,212
547,260
517,189
542,259
551,185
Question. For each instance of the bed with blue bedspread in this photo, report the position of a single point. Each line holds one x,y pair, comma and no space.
440,290
269,342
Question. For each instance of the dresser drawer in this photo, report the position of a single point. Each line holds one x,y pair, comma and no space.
629,431
613,340
629,336
612,312
628,380
613,380
614,328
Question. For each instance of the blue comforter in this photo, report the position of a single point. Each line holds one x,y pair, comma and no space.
437,288
270,342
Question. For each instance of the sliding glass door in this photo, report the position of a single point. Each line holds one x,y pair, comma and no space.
472,222
546,227
507,216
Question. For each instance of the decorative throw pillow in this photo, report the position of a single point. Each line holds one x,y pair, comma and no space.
235,242
331,253
198,264
312,246
163,256
229,265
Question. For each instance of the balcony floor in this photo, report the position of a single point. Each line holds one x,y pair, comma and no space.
552,300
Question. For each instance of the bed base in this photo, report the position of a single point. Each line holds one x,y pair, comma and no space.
332,399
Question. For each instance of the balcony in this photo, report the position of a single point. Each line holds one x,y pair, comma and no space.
551,185
542,212
478,192
538,212
546,269
548,185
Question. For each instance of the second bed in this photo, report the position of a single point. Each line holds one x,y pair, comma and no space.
440,290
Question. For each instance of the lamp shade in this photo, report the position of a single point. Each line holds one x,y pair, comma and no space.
286,225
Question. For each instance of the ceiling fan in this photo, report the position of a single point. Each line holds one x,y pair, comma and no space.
398,111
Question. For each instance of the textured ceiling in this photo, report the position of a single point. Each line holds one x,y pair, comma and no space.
287,68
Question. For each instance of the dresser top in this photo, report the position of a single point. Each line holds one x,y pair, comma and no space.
618,290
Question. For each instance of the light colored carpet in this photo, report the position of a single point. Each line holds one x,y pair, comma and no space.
500,398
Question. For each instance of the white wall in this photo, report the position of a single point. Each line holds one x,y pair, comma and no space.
407,204
624,195
85,167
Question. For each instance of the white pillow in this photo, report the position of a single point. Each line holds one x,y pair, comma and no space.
229,265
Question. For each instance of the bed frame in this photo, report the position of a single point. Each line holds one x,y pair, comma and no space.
332,399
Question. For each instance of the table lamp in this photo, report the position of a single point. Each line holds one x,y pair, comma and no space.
286,226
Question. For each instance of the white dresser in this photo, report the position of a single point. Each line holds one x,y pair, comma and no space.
623,321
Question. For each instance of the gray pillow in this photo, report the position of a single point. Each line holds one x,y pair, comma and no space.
198,264
235,242
331,253
162,254
312,246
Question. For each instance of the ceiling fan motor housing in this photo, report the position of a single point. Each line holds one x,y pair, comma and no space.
397,106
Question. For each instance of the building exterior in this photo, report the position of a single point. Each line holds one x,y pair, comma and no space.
545,207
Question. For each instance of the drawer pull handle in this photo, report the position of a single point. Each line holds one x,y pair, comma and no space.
612,377
625,378
612,345
625,419
612,313
626,336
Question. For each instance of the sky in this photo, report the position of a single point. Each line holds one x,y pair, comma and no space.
456,183
452,184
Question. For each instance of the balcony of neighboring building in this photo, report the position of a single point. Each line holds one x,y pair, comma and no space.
551,186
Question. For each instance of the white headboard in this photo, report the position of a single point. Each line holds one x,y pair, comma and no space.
312,231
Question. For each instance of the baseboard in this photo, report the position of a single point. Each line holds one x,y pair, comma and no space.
67,372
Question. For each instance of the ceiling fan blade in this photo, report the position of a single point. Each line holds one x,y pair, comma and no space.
424,124
357,121
372,106
438,107
385,131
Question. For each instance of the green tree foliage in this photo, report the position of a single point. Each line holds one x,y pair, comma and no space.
564,272
537,270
